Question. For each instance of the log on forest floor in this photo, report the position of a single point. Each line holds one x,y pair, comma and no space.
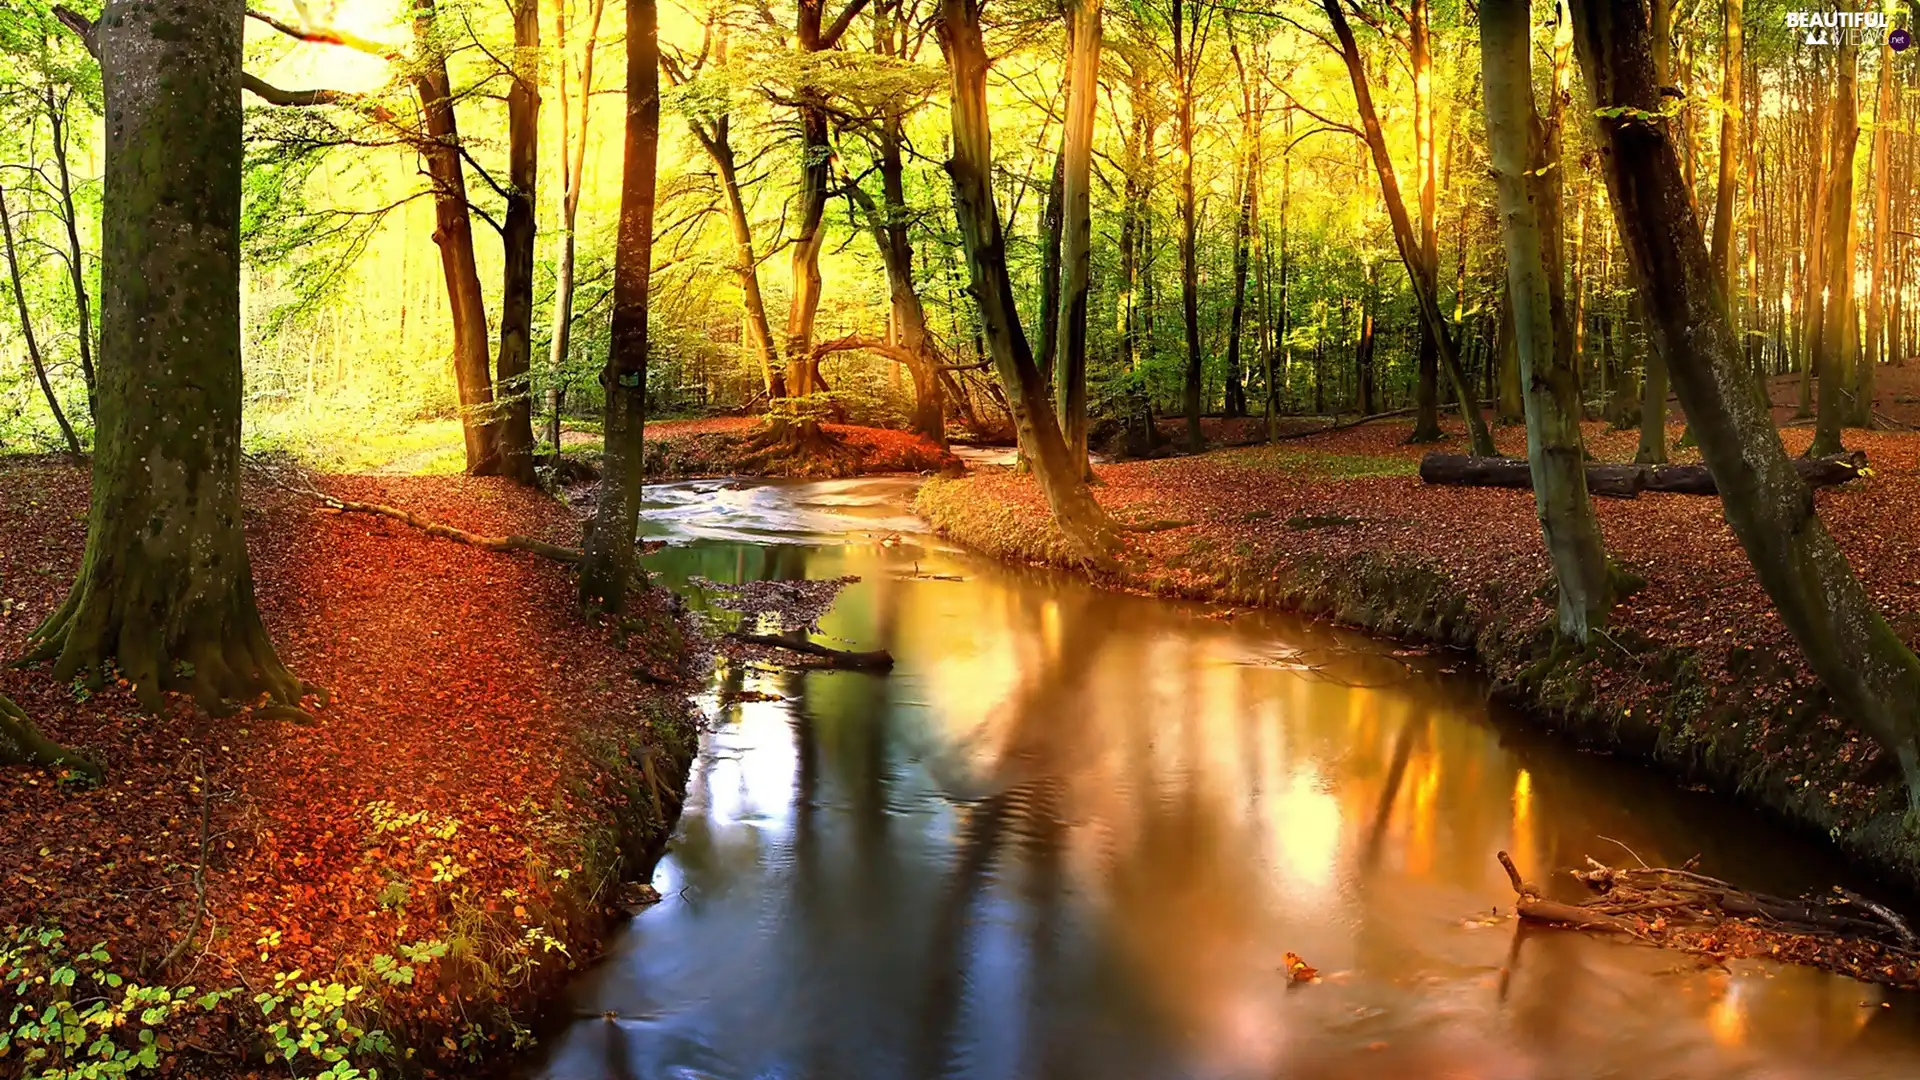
448,532
1678,908
1623,481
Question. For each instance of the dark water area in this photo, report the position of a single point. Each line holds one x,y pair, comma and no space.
1073,834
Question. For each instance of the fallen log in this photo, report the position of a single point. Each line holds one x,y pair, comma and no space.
1461,470
446,532
877,660
1623,481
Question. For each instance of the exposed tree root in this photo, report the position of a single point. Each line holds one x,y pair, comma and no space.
1679,909
433,528
800,441
21,743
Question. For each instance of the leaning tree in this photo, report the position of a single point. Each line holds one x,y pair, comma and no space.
165,590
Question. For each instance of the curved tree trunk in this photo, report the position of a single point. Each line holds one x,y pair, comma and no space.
607,562
1085,524
1873,677
165,590
21,743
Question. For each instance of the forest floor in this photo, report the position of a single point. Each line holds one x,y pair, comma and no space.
1696,671
446,837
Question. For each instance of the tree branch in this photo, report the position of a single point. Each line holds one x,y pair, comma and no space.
326,35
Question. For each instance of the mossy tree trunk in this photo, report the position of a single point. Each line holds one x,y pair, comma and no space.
1873,677
1527,180
21,743
165,590
607,566
1085,524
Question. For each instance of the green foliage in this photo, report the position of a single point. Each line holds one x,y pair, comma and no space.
321,1020
75,1017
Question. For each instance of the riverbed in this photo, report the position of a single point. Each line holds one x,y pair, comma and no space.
1075,834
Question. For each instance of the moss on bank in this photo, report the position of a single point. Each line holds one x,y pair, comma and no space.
1750,726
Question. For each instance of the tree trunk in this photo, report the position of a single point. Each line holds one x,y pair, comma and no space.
1526,178
1242,241
1723,196
1883,116
515,364
1813,275
1079,517
165,590
21,743
1083,90
1873,677
717,142
1653,397
1048,238
1835,341
1426,424
26,332
453,233
1184,62
573,160
1419,269
76,255
607,563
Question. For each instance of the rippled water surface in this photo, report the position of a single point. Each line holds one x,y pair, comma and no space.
1073,834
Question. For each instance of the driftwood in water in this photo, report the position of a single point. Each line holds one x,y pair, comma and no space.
1622,481
877,660
1677,908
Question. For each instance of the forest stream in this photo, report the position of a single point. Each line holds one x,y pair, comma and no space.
1075,834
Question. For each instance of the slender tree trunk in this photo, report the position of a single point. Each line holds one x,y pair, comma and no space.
573,160
165,590
1079,517
1723,198
1083,90
746,262
1509,408
1813,276
1047,237
1526,177
453,233
26,332
1873,677
1653,398
515,364
1883,132
608,571
1185,59
1836,337
1426,423
76,255
1419,270
1242,239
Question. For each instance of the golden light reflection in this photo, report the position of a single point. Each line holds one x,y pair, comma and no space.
1420,806
1522,840
1307,822
1727,1017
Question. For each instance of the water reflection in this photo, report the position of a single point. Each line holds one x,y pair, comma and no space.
1073,834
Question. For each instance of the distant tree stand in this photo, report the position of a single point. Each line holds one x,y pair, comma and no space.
165,591
21,743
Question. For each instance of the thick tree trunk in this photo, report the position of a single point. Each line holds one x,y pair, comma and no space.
165,590
1873,677
1420,271
1079,517
1836,338
453,233
26,331
1527,177
515,365
1083,90
607,570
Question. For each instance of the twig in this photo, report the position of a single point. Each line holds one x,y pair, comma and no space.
1628,850
1884,913
199,870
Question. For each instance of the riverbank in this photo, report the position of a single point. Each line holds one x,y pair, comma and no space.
405,882
1696,673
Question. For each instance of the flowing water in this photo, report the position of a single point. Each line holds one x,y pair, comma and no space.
1073,834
